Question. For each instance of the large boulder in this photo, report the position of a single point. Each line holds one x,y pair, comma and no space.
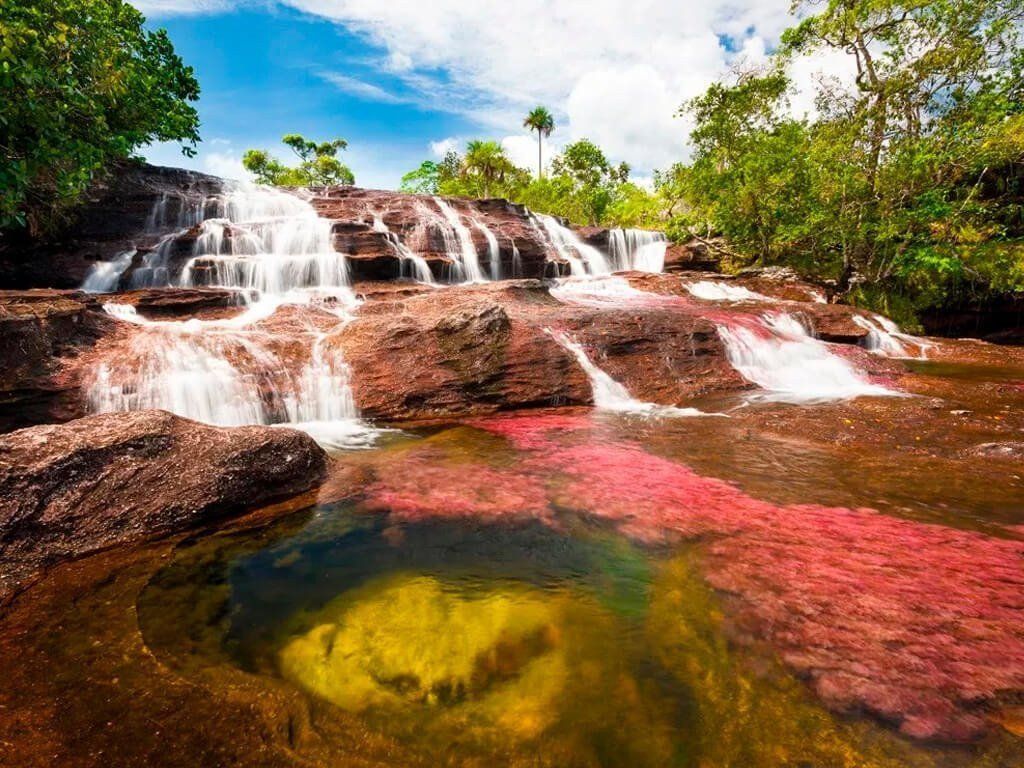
478,349
68,490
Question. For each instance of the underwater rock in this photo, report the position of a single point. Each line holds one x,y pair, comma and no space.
67,490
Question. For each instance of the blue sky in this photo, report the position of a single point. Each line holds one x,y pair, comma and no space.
403,80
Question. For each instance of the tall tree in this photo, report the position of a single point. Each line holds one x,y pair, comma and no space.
541,121
486,161
318,164
83,83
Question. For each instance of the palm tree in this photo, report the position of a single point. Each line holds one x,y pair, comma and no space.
488,161
541,121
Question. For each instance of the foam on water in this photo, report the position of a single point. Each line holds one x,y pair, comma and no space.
713,290
885,338
776,353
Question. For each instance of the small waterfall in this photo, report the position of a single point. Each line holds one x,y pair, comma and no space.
420,270
636,249
230,372
711,290
885,338
459,245
583,259
605,292
105,276
493,249
610,395
776,353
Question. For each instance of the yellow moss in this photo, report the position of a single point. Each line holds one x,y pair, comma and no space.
411,641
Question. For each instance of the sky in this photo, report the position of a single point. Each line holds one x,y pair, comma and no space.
404,80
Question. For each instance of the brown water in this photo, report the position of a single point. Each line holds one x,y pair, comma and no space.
833,585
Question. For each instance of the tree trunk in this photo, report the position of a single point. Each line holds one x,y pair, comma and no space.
540,162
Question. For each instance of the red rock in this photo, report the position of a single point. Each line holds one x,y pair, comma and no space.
76,488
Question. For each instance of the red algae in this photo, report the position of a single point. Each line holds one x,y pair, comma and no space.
918,624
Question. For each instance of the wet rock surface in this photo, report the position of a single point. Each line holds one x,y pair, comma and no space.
71,489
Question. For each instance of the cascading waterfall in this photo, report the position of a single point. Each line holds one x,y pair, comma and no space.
637,249
885,338
493,249
458,241
712,290
420,269
583,259
228,372
105,276
610,395
776,353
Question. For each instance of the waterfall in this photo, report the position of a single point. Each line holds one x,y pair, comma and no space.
420,269
711,290
605,292
776,353
610,395
105,276
232,372
885,338
493,249
459,245
583,259
636,249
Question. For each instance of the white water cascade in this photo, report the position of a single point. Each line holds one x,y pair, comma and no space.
105,276
885,338
637,249
233,372
493,249
778,354
610,395
583,259
713,290
420,270
459,245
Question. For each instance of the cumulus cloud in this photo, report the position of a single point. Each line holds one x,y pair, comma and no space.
441,148
615,71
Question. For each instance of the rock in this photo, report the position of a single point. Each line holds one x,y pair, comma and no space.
115,216
180,303
1007,450
484,348
41,333
692,256
68,490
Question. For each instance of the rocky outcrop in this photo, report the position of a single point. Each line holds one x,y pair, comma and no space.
76,488
478,349
42,333
116,215
180,303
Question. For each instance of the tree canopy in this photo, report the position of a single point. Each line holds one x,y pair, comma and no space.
83,84
318,164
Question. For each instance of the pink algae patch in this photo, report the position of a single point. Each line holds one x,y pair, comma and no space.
919,624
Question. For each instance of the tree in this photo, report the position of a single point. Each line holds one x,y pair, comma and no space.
907,189
83,84
423,181
593,178
318,164
541,121
486,161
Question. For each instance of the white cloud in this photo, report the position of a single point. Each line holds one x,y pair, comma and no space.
227,165
441,148
615,71
360,89
182,7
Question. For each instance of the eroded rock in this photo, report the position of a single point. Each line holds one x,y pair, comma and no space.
67,490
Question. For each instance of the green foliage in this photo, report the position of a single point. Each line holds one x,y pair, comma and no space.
83,84
318,164
423,181
540,120
907,190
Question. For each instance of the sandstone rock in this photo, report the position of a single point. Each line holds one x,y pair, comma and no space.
483,348
72,489
180,303
113,218
41,331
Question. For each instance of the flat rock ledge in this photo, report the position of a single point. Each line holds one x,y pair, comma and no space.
70,489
